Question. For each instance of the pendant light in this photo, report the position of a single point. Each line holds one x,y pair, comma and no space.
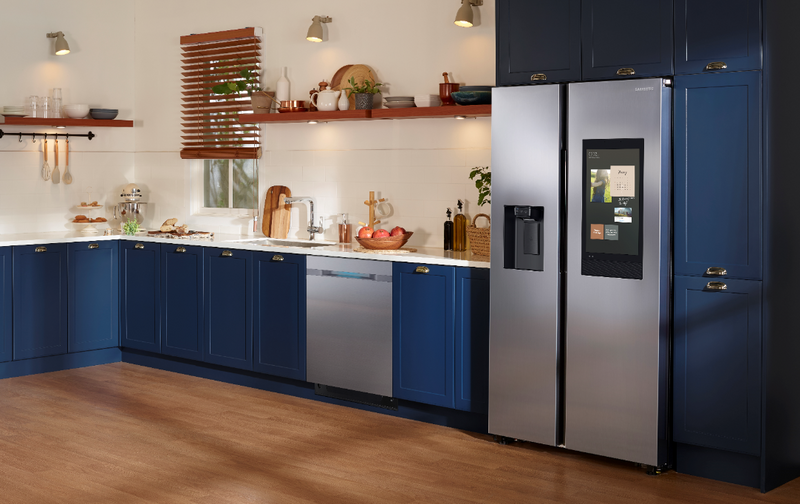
315,30
464,14
62,47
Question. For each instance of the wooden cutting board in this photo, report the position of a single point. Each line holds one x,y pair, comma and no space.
275,218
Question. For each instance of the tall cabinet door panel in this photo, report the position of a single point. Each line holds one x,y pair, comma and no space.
717,35
280,314
229,307
40,300
5,304
423,334
538,41
718,174
717,364
93,295
623,35
140,291
182,301
472,339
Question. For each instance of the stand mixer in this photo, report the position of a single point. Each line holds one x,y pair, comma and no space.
131,207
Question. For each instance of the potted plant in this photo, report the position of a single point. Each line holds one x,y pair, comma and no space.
480,238
260,100
364,92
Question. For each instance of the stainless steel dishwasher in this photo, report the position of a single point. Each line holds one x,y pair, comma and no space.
349,324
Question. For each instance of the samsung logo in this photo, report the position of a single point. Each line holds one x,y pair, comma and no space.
645,89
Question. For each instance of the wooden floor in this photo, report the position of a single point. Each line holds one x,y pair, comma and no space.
121,433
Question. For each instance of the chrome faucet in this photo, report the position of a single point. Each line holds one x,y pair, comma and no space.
312,229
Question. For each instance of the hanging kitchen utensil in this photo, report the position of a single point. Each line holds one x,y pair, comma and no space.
67,174
56,176
45,166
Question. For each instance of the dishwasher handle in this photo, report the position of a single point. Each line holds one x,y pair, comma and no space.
349,275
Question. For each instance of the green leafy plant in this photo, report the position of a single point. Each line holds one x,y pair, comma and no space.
249,84
130,227
367,87
483,182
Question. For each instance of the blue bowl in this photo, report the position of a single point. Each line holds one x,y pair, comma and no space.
103,113
472,97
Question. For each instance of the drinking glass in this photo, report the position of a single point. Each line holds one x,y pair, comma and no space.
45,106
56,103
31,106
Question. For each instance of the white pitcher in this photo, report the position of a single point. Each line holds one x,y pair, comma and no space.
326,101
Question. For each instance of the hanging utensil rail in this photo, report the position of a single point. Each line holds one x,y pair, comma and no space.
89,135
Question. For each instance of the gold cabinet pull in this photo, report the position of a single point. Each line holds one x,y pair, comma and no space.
139,246
422,269
626,71
538,77
716,65
277,258
716,271
227,253
716,286
41,249
180,250
93,246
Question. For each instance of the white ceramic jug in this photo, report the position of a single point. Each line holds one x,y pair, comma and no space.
326,101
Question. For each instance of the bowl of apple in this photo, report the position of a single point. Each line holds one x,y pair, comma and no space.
381,239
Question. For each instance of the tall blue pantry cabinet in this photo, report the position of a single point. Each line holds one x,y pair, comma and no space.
736,238
5,304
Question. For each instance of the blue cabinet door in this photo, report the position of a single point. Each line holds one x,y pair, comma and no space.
280,314
718,174
472,339
710,32
140,295
626,34
182,301
93,295
423,338
228,313
538,41
717,364
5,304
40,300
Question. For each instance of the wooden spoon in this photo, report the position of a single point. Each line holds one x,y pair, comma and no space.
56,176
67,174
45,166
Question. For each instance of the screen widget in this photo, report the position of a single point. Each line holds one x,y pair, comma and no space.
601,187
611,232
623,215
597,232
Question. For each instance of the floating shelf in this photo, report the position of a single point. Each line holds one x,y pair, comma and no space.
361,115
56,122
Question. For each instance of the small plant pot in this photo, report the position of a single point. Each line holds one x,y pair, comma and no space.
364,101
261,102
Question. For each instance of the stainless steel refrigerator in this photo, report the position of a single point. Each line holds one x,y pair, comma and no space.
580,266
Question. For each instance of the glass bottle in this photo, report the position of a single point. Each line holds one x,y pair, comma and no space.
460,230
448,231
345,235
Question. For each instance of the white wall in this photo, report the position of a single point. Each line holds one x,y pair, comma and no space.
99,72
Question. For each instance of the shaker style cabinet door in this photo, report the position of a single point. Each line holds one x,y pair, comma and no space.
717,364
40,300
93,295
538,41
280,314
717,36
472,339
717,171
182,301
626,38
423,352
140,292
5,304
229,307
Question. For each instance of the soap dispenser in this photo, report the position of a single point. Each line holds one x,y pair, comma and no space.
448,231
460,230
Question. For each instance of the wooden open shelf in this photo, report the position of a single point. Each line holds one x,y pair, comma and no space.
361,115
301,117
63,121
422,112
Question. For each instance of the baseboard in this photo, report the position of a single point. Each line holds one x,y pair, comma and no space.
52,363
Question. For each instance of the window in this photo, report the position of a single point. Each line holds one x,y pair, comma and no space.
224,187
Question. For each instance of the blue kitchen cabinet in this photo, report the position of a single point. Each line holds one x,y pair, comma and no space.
182,301
93,295
626,38
229,305
472,339
717,171
717,364
280,314
713,33
423,333
538,41
140,292
6,276
40,300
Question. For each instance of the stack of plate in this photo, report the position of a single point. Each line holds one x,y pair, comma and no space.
399,101
13,111
427,100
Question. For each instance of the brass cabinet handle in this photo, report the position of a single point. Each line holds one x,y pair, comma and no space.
180,249
716,271
41,249
139,246
716,65
716,286
626,71
94,246
538,77
277,258
227,253
422,269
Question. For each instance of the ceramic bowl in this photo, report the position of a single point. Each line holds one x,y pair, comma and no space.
475,88
103,113
76,111
388,243
472,97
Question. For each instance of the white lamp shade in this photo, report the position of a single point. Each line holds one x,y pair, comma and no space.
315,30
464,15
62,47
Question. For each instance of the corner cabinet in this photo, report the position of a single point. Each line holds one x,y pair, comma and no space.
5,303
140,292
182,301
472,340
93,295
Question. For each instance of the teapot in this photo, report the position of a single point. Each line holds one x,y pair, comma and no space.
326,100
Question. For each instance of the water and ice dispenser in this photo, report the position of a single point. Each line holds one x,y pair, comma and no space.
522,233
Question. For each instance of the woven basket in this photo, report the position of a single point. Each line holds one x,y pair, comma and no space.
480,238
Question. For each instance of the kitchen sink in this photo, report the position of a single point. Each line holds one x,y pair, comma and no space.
276,242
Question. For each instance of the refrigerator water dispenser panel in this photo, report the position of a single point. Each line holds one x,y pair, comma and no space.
522,233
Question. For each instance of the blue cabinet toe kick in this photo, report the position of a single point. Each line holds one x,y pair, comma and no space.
52,363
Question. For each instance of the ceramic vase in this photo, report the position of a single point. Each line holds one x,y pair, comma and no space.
282,87
344,101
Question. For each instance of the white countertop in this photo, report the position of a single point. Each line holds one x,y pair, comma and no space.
427,255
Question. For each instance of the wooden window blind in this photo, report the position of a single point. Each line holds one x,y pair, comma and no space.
210,125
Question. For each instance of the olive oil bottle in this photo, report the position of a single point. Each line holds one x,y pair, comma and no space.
448,231
459,230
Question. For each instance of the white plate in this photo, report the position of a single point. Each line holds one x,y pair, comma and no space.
89,207
398,98
11,114
400,104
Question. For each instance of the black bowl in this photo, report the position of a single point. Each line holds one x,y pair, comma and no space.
98,113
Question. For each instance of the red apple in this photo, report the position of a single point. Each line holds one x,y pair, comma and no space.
365,232
380,233
397,230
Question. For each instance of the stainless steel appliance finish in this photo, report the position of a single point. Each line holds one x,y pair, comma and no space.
349,324
129,210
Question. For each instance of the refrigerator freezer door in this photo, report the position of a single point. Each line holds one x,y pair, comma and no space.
617,328
526,166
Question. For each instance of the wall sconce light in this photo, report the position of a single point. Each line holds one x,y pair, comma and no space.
464,14
62,47
315,30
